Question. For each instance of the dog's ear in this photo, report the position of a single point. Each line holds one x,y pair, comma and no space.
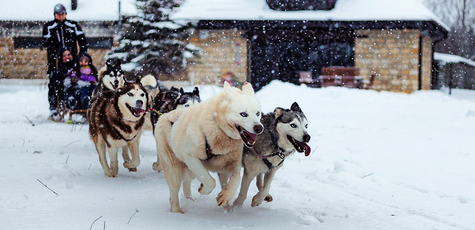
181,90
278,112
109,62
196,91
247,88
138,79
295,107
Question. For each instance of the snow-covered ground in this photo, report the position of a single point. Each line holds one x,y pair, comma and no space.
380,161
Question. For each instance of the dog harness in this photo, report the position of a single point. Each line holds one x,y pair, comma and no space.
209,151
121,136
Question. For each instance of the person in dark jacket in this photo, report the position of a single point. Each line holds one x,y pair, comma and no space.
61,32
56,81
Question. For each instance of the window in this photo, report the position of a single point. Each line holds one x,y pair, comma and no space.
35,42
100,42
27,42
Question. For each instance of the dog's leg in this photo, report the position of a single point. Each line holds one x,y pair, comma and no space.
196,166
173,176
259,181
223,179
246,181
125,154
134,150
228,192
259,197
101,150
114,161
188,177
156,166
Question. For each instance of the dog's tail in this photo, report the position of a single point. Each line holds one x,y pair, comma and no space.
162,132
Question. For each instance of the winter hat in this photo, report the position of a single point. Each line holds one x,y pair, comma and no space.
59,8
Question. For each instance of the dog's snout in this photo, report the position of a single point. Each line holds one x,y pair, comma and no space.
258,129
306,138
139,103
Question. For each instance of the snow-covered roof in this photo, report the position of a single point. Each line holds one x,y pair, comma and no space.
87,10
345,10
450,58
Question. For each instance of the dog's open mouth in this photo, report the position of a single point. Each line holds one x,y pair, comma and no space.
135,111
300,146
115,86
248,138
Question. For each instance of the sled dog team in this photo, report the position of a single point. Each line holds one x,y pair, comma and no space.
222,134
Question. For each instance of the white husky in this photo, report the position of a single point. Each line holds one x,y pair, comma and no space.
208,137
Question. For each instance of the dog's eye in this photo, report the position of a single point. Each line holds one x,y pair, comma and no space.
142,95
243,114
258,113
187,105
306,126
293,125
130,94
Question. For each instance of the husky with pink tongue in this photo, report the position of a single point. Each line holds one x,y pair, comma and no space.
285,131
116,119
205,137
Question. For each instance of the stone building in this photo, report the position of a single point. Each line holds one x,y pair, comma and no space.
259,42
21,26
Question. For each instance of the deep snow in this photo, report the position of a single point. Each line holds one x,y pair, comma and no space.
381,160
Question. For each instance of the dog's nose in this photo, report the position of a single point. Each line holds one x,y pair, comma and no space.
306,138
139,103
116,82
258,129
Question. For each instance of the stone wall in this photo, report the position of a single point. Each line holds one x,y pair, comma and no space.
393,55
222,51
29,63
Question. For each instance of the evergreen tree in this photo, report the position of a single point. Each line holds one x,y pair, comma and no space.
152,43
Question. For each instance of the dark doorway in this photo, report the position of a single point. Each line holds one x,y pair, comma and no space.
283,54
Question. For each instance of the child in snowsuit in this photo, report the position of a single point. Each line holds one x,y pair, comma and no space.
81,82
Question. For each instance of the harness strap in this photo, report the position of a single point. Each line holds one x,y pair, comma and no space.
270,165
121,136
209,151
151,110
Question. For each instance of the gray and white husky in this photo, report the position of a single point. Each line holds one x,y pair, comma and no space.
285,130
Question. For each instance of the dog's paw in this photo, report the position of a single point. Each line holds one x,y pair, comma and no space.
256,200
205,190
224,198
129,165
177,210
132,169
110,173
269,198
157,167
238,202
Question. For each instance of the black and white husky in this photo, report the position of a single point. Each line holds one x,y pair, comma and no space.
285,130
111,77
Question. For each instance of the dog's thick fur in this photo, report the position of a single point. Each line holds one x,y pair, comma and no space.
208,137
284,132
115,121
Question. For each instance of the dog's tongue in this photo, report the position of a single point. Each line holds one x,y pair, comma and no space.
139,110
251,138
307,150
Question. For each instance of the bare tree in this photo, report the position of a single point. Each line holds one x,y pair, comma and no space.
460,16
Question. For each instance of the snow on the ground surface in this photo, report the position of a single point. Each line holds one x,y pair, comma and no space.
380,161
